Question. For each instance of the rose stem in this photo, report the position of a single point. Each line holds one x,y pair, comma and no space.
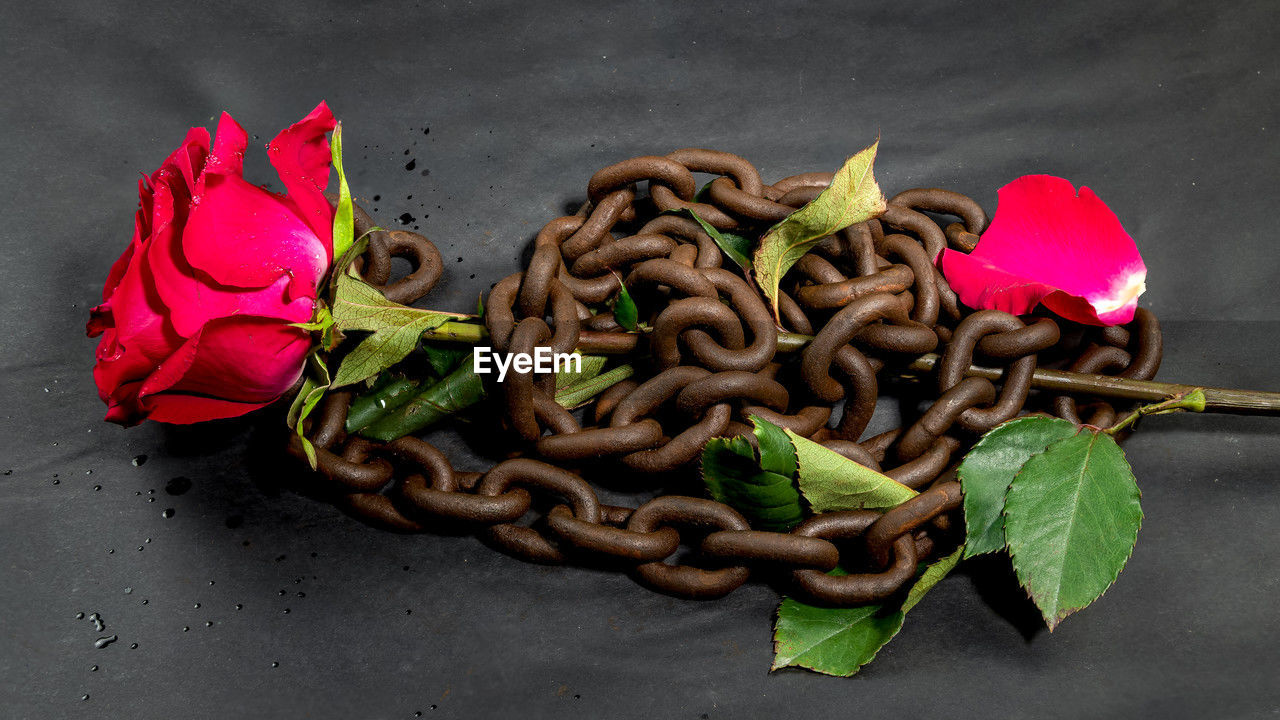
1223,400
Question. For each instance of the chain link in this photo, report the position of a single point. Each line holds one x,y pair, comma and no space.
870,295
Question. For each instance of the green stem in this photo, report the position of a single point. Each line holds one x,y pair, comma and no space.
1224,400
1192,400
458,390
384,399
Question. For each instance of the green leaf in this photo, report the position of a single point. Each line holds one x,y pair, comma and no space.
777,455
591,367
384,348
736,247
838,641
314,385
1071,520
396,328
830,481
360,306
832,641
379,401
480,306
991,465
624,308
732,474
343,216
932,576
580,393
459,390
852,197
320,322
444,357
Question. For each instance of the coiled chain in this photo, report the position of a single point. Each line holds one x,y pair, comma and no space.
870,296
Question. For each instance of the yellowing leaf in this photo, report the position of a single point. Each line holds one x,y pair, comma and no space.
830,481
852,197
396,328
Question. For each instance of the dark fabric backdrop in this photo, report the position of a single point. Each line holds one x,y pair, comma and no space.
1167,110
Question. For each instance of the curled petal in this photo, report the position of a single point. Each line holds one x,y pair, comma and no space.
301,156
230,367
243,236
1048,244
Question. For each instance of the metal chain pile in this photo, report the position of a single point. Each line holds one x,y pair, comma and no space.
870,296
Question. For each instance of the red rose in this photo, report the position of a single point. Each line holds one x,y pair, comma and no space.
196,314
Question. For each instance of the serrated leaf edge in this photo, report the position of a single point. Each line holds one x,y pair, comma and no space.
1062,614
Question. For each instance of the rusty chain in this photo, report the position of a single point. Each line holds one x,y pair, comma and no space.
870,295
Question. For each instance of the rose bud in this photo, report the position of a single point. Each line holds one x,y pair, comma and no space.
196,315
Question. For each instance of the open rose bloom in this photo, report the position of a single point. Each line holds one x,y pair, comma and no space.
1048,244
196,316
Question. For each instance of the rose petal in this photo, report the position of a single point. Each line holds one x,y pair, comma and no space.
188,409
1049,244
301,156
249,361
243,236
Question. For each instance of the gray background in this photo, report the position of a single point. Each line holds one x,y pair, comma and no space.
1167,110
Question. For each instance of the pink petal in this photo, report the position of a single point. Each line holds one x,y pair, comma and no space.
243,236
188,409
229,143
301,156
246,361
1048,244
193,297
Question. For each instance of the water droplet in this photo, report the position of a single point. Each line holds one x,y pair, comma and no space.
84,697
145,601
275,664
105,641
96,488
411,164
239,606
139,460
196,606
210,582
80,616
93,669
186,628
128,591
168,513
97,622
286,611
208,623
150,500
133,646
88,472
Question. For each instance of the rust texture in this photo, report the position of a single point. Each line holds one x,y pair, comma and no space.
871,297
